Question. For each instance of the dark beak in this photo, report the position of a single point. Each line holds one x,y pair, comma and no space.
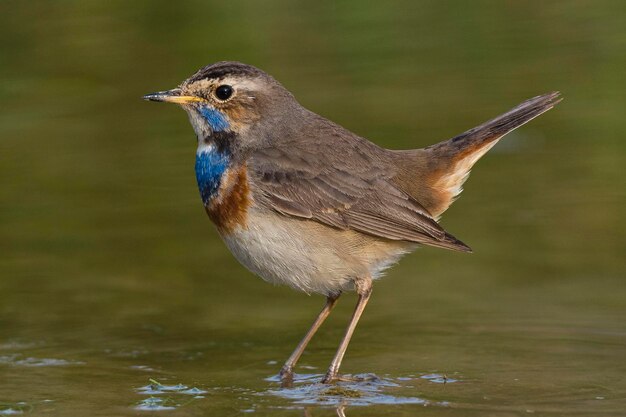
171,96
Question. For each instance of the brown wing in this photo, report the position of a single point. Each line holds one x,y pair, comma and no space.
343,185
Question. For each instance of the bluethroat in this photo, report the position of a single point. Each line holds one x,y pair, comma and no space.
301,201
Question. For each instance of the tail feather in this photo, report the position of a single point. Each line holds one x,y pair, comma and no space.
474,140
441,169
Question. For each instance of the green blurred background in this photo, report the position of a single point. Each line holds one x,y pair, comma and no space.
111,274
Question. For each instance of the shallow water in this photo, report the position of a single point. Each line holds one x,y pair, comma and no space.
117,297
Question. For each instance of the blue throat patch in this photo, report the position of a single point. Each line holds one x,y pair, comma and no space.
211,163
215,118
210,166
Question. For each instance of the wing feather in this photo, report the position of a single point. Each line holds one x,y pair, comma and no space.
350,190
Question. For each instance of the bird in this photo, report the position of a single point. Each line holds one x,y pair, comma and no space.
302,201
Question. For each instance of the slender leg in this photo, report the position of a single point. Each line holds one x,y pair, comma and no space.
286,373
364,290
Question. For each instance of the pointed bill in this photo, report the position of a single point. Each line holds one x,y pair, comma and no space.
172,96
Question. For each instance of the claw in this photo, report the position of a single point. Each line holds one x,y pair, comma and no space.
286,378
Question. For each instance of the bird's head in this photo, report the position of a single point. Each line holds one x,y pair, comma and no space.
226,100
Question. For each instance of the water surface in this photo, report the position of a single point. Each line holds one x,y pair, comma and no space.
118,298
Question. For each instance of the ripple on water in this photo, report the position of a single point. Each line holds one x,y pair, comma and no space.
15,408
145,368
17,360
438,379
355,390
155,387
166,397
156,404
16,345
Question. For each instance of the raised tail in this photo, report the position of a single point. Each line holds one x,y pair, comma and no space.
435,175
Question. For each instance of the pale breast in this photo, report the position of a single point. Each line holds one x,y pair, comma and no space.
309,256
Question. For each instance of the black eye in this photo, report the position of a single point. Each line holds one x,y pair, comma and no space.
223,92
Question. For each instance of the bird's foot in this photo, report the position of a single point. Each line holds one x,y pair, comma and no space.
286,377
330,377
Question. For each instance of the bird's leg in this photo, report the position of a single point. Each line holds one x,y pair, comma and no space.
286,372
364,289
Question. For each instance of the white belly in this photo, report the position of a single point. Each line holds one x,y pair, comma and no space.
309,256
